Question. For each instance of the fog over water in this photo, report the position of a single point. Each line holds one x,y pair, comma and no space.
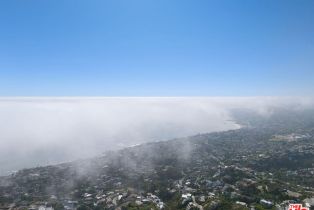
41,131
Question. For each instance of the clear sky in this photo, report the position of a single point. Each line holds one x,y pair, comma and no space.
156,47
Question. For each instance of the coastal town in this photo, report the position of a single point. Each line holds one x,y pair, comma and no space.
251,168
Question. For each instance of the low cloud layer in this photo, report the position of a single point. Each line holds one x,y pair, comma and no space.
40,131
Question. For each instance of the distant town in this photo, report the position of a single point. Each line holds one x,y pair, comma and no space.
267,164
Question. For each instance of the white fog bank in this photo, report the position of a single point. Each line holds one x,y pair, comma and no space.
41,131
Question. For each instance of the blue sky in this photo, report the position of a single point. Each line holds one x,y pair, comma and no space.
156,48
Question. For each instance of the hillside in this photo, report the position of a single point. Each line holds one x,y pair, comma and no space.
266,165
